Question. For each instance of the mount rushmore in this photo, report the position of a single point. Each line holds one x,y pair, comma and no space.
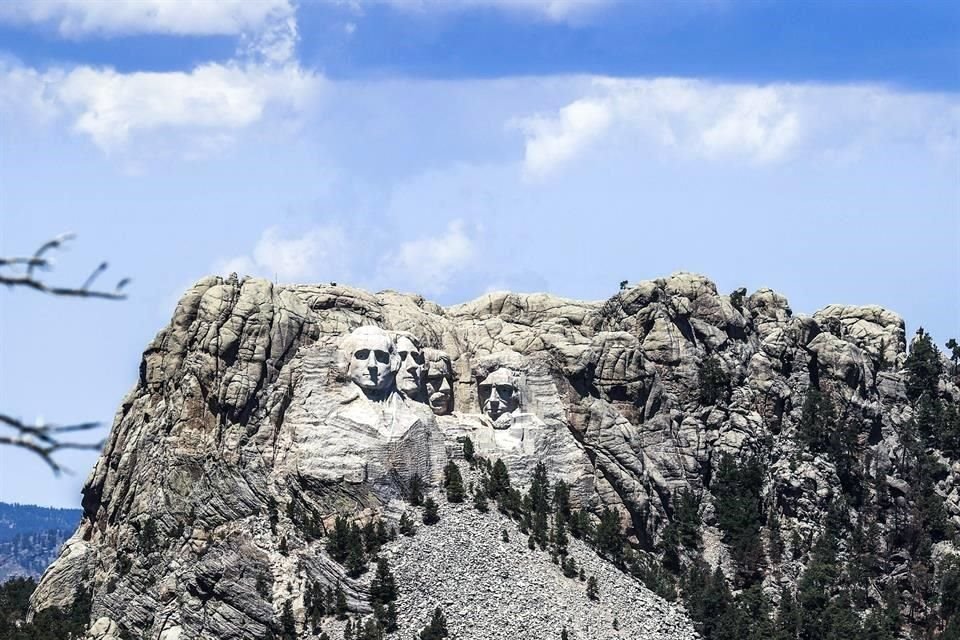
262,413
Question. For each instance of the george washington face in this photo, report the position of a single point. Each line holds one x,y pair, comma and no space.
372,359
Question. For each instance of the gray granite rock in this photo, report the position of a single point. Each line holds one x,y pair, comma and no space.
255,422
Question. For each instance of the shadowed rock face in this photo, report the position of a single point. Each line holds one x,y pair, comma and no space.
249,409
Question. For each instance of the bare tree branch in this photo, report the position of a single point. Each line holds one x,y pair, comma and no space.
43,440
39,261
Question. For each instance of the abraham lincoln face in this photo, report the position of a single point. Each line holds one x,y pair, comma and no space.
499,394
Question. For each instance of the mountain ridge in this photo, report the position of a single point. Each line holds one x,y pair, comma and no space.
723,432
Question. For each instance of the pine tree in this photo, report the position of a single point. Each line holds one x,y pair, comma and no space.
390,618
314,605
922,367
540,489
592,592
713,381
468,450
561,501
504,536
372,630
818,421
480,500
415,490
813,590
356,561
499,484
371,540
580,527
739,509
288,626
453,483
715,606
338,542
609,540
537,504
383,587
437,627
340,603
564,635
406,525
383,536
788,618
148,536
431,512
559,536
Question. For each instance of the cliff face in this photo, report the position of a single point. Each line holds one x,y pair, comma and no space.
250,428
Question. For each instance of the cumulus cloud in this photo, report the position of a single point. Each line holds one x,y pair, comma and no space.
211,101
110,106
552,10
429,264
740,122
319,253
760,124
76,18
552,141
198,110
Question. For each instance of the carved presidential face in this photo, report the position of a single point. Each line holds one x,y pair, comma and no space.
372,359
411,373
499,394
439,383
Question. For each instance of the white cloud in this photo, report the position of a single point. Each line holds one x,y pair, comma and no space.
111,106
75,18
552,10
211,102
721,122
552,141
428,265
321,253
758,124
196,111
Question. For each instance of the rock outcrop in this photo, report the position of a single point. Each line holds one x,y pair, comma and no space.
257,420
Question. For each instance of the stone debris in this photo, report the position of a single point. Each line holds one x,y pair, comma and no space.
262,412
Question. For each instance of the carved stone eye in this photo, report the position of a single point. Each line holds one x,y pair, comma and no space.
382,356
504,390
362,354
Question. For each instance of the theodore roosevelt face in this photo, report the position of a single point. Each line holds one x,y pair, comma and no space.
439,383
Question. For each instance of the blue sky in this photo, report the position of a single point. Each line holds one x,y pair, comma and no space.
451,149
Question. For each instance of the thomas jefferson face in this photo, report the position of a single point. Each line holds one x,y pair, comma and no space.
410,375
439,383
372,359
499,394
